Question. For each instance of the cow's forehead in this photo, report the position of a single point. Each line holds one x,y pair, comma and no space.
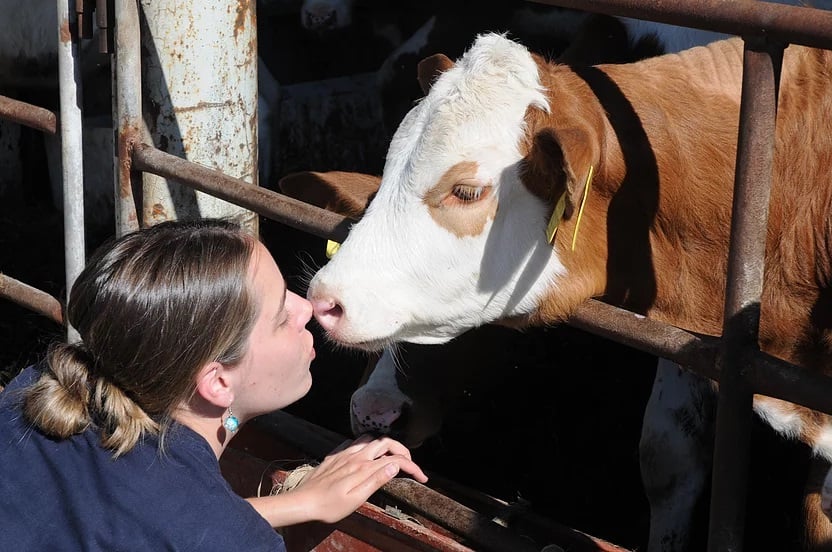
475,111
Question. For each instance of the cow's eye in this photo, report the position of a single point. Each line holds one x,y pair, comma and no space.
467,193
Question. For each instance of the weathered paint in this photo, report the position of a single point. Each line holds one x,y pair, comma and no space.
128,112
200,97
72,160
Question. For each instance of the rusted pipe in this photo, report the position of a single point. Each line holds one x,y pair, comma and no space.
28,115
777,22
84,18
696,352
273,205
104,22
317,442
126,73
762,64
31,298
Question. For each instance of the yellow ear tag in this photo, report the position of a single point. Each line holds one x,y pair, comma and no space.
557,214
332,248
589,176
552,227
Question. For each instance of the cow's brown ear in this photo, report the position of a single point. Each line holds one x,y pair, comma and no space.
345,193
560,161
430,68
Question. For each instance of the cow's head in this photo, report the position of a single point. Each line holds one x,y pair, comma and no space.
456,234
326,15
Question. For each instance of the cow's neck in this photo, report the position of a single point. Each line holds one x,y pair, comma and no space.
654,234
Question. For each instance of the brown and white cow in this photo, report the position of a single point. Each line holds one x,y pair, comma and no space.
456,236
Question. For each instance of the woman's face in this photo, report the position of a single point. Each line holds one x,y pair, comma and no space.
274,372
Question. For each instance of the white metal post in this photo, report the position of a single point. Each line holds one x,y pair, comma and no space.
200,101
72,161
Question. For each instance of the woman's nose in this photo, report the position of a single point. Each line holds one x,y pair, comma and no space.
304,309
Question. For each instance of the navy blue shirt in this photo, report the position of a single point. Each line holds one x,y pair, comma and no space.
73,495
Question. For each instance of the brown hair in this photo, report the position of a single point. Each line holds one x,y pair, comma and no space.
152,308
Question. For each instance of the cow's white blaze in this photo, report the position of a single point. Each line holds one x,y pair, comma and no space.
403,276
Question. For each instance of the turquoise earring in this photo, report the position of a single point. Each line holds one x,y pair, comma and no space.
231,423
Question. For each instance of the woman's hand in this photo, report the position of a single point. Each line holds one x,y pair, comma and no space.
341,483
350,474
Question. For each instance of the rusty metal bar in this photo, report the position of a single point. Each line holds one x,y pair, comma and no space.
273,205
777,22
126,74
762,63
657,338
104,23
84,18
28,115
468,523
31,298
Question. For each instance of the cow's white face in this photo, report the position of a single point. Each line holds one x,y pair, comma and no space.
452,239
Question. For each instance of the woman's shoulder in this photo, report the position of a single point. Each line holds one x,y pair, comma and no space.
12,394
23,379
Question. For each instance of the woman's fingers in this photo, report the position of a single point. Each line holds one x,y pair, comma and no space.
368,450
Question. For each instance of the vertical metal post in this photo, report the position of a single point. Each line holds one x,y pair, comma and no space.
755,154
201,100
127,115
72,161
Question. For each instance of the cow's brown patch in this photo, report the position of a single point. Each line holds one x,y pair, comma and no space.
462,216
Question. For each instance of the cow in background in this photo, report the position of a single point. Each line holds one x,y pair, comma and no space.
523,295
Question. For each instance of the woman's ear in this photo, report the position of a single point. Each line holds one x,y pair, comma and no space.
214,384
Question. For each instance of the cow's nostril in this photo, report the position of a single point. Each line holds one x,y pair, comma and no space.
327,312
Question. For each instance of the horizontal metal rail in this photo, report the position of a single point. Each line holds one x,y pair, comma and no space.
28,115
31,298
775,22
474,526
262,201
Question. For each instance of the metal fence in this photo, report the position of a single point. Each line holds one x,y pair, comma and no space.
734,360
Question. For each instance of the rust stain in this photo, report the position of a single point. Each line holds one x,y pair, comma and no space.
159,211
243,10
65,32
202,105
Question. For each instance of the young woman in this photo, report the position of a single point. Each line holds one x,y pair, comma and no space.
187,331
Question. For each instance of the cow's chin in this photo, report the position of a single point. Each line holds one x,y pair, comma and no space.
378,344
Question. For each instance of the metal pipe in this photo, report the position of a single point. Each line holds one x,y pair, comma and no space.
126,74
72,160
201,100
28,115
31,298
317,442
279,207
749,220
777,22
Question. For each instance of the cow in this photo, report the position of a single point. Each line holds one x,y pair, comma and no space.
379,405
456,234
